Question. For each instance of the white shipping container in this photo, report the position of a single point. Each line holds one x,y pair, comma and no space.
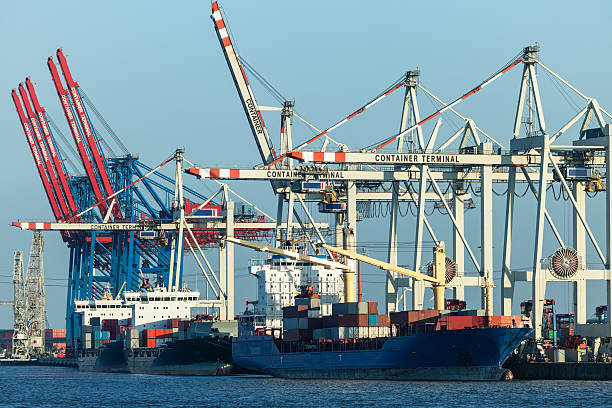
314,313
326,309
362,308
339,332
363,332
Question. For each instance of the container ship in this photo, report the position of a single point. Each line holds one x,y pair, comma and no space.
355,342
152,332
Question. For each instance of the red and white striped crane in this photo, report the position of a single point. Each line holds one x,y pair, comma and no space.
253,113
44,126
88,131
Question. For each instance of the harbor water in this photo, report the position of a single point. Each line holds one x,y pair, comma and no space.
63,387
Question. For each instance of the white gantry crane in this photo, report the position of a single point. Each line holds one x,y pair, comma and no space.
451,171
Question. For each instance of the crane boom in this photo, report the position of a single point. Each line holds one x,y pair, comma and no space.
76,134
42,120
43,152
380,264
251,109
87,130
39,165
289,254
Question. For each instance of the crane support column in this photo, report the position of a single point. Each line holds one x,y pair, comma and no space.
229,261
418,288
539,283
350,242
458,246
507,278
486,231
579,241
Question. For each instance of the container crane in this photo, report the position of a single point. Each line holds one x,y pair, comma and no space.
57,163
88,131
65,213
39,164
251,109
76,134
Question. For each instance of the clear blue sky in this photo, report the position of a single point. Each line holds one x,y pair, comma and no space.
156,71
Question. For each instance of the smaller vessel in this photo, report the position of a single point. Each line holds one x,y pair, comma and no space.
152,332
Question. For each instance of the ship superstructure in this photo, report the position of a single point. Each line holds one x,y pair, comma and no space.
279,280
140,310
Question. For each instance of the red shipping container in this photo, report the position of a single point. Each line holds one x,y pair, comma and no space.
59,332
384,321
459,322
372,307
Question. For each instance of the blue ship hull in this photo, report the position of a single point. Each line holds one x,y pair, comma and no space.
469,354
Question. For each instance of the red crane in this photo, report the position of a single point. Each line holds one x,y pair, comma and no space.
59,170
43,152
39,164
76,134
87,130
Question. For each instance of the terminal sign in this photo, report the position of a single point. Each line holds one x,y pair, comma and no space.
416,158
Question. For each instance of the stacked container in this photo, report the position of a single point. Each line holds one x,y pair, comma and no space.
409,322
350,320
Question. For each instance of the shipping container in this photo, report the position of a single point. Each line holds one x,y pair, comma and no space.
372,307
297,335
312,302
384,321
326,309
373,320
295,323
412,316
295,311
314,323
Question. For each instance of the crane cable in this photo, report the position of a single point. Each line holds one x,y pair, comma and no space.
515,61
390,89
